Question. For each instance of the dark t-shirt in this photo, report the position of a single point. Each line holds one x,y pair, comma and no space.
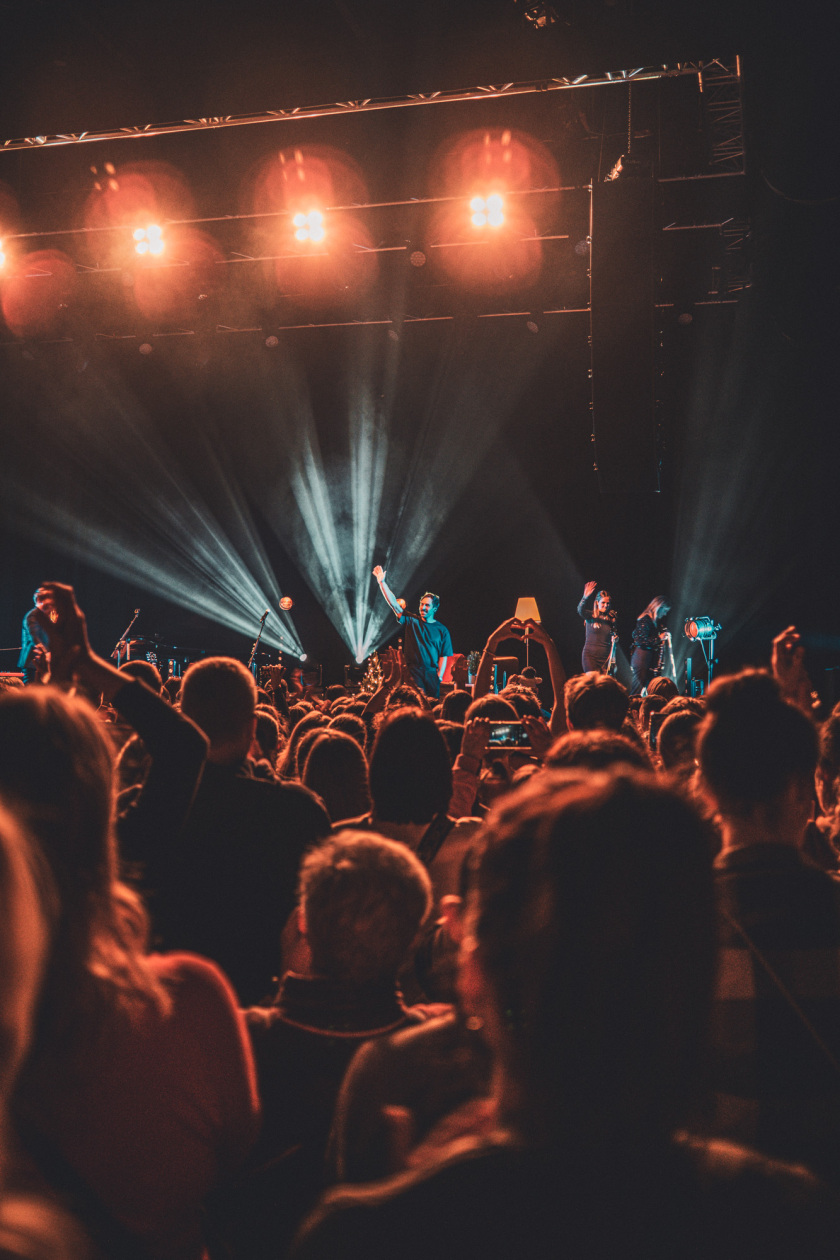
425,643
705,1202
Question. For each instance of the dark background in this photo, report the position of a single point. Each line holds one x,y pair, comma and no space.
745,524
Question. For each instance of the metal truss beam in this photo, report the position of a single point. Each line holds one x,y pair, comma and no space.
490,92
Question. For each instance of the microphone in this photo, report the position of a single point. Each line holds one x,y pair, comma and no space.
136,612
265,614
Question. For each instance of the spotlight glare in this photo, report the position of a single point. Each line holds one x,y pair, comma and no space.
477,203
495,202
316,233
495,218
479,220
286,603
149,239
302,234
303,656
299,220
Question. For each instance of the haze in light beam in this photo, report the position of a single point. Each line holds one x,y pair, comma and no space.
109,495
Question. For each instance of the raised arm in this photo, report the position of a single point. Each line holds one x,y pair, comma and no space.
392,601
511,629
588,592
557,674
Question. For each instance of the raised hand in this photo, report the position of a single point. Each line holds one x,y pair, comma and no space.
589,589
63,623
510,629
788,665
379,573
474,740
539,734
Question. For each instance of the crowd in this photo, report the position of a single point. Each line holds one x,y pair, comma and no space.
312,973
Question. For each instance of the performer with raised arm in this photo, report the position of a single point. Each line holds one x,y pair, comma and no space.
647,643
599,616
427,642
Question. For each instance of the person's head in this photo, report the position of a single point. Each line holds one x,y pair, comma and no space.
429,605
684,704
406,695
602,603
677,739
220,696
455,705
41,600
410,774
595,750
595,700
650,705
828,765
589,954
453,734
145,671
658,608
523,700
336,769
267,735
757,752
336,692
172,689
56,771
350,724
291,763
663,686
362,901
24,941
493,707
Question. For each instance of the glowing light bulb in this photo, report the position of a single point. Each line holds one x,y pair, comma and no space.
286,603
299,221
479,220
477,203
303,656
149,239
302,234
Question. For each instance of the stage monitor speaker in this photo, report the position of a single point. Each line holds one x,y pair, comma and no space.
622,328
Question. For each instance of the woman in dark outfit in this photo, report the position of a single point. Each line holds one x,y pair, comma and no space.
647,642
600,627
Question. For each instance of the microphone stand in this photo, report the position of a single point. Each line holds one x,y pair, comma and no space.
123,639
252,657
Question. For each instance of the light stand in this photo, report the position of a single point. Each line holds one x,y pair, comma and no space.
704,630
252,660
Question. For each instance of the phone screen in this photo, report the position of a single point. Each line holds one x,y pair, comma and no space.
508,735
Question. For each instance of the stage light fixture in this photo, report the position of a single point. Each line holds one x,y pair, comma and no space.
309,226
145,348
149,240
701,628
287,603
303,656
2,256
488,211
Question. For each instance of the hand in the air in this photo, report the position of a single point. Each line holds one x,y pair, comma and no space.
589,589
379,573
64,626
510,629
